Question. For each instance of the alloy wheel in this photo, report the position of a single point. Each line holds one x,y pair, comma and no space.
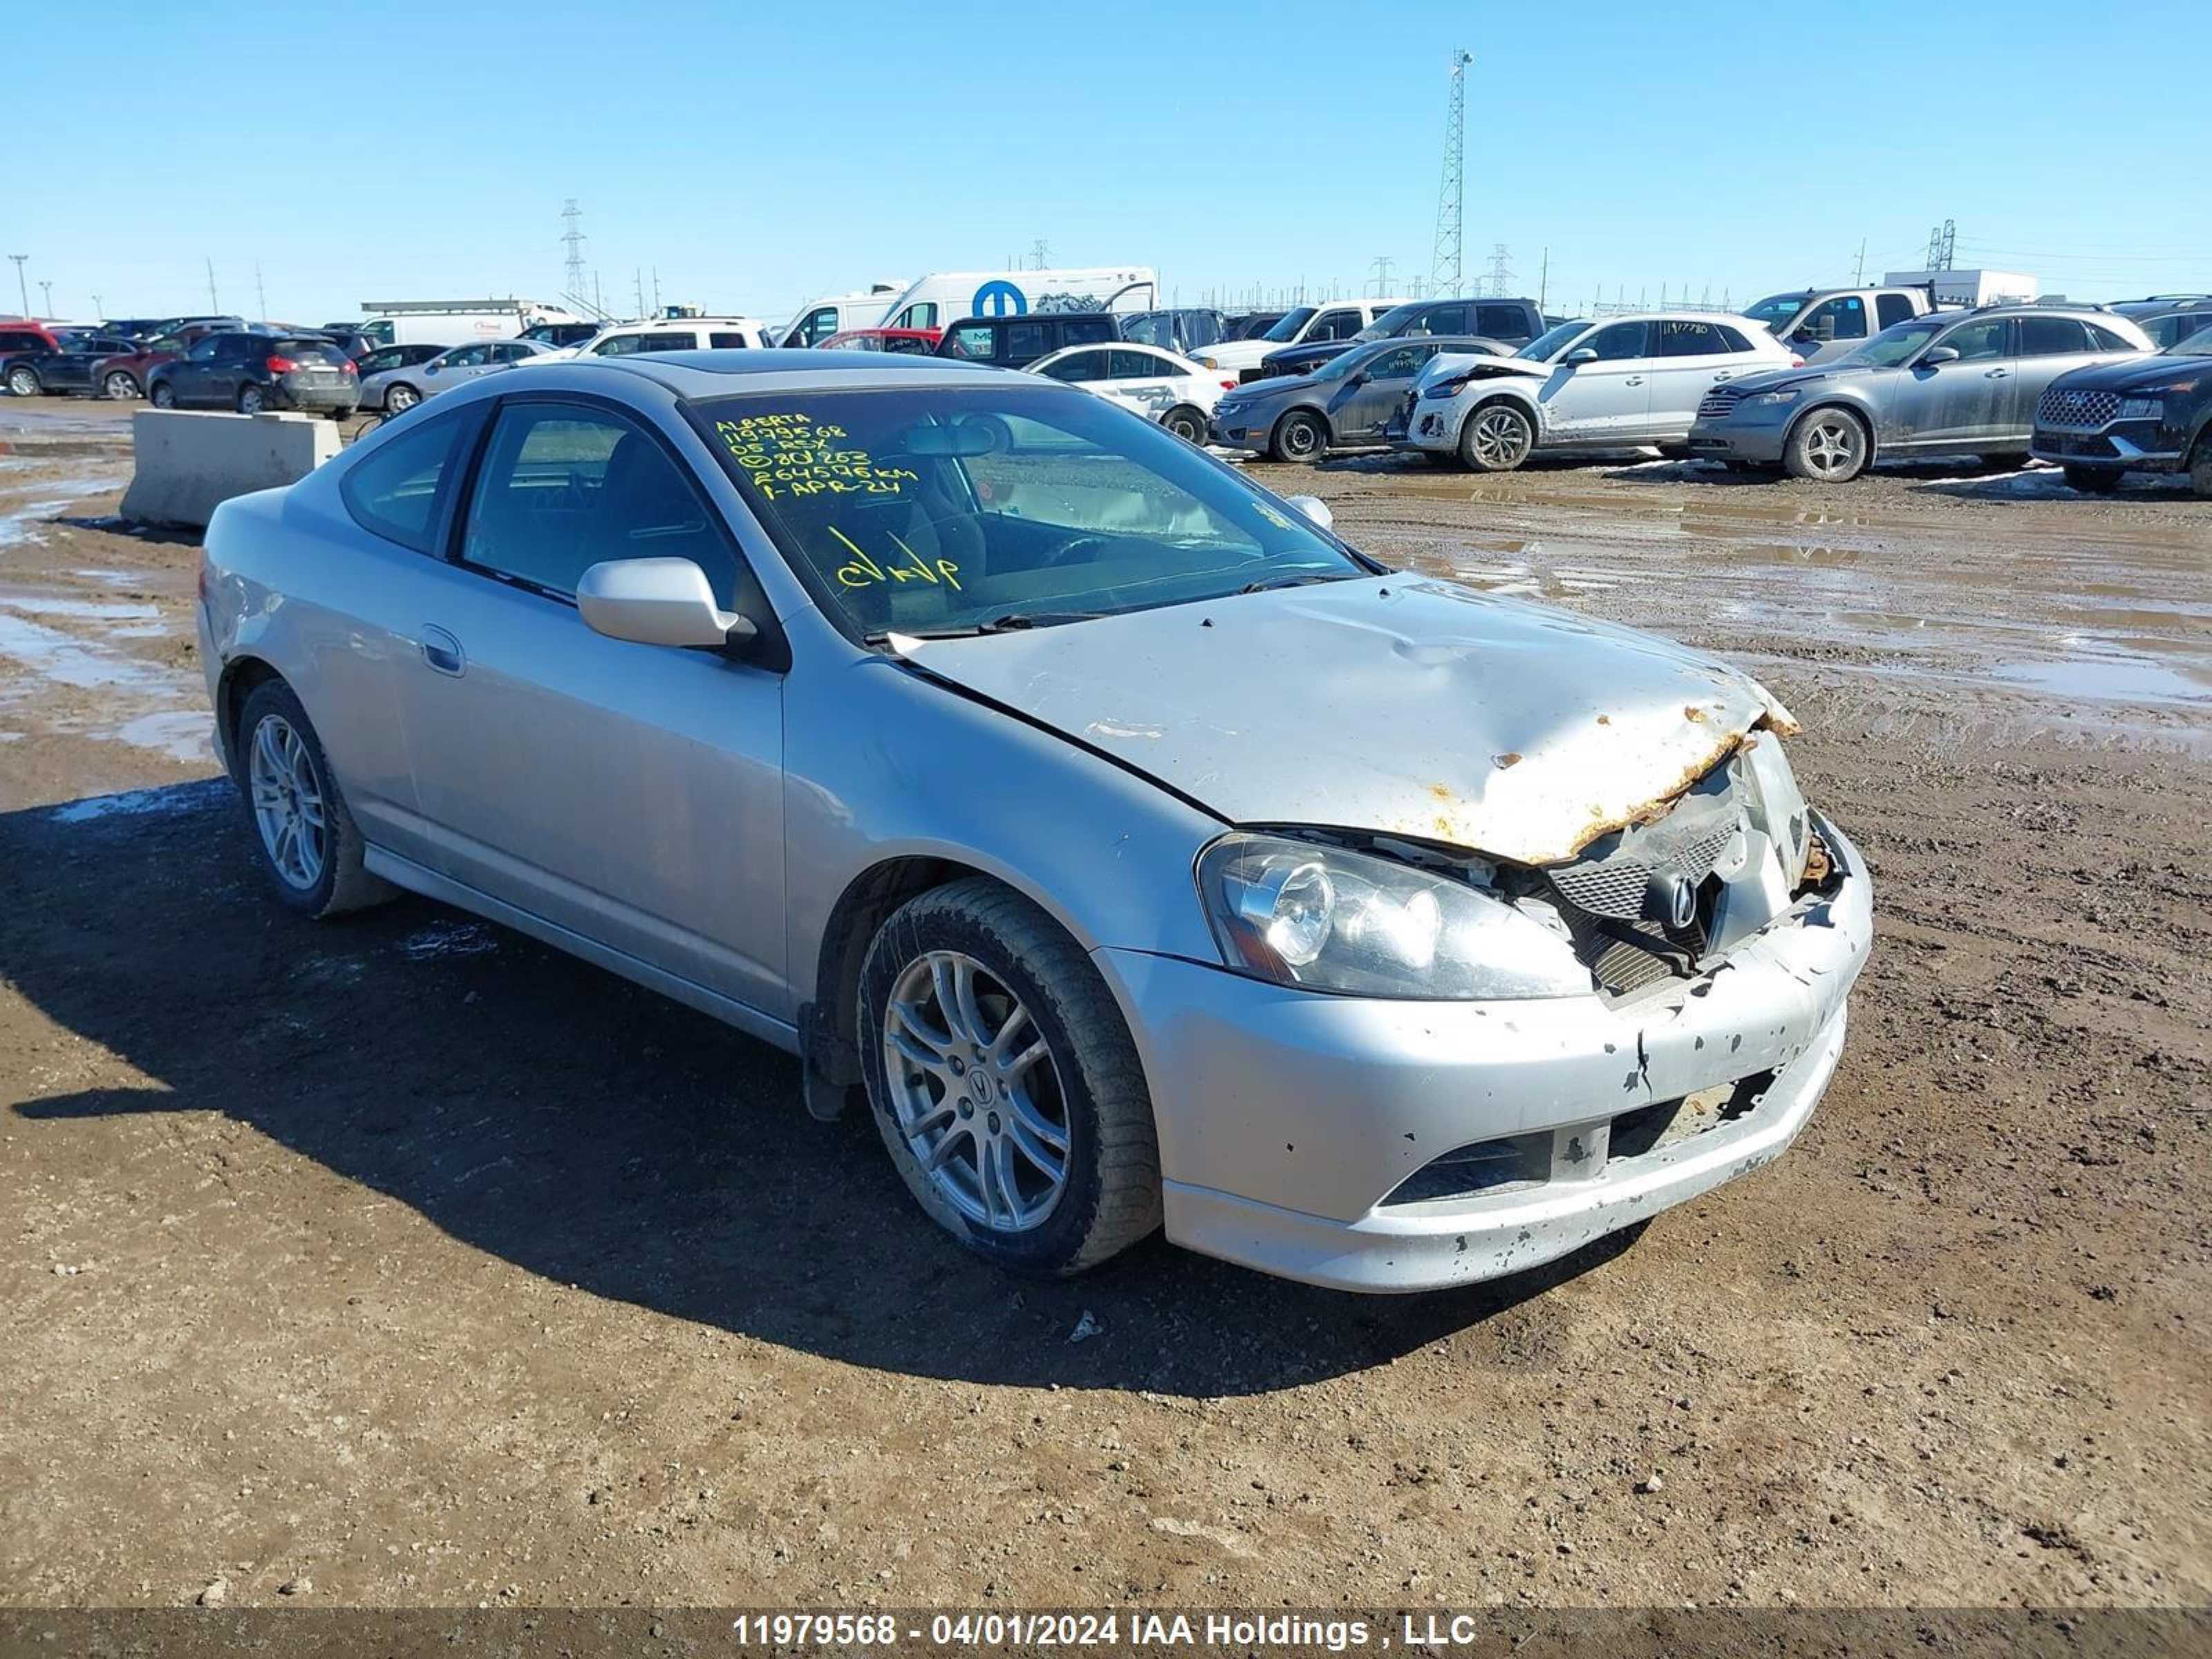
23,383
1501,438
1831,445
121,385
287,803
399,399
976,1092
250,401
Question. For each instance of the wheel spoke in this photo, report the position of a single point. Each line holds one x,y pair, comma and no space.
919,1031
1017,1021
943,1151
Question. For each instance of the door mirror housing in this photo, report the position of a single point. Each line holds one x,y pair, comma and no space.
1935,355
1314,509
1582,355
657,602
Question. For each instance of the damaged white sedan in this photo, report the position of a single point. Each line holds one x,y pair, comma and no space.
1135,850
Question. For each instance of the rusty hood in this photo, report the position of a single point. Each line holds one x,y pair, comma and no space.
1393,704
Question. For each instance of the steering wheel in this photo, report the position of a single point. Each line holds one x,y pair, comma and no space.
1064,553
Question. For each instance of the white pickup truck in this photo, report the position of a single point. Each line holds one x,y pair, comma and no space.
1818,323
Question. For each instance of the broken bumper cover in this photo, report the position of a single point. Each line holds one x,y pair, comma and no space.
1433,424
1288,1120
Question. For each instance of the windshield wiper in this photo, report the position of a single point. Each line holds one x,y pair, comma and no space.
1010,622
1298,578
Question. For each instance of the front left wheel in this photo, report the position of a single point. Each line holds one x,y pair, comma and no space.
1005,1084
23,381
309,850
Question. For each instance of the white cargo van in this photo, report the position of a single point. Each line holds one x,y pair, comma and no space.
455,322
944,297
833,314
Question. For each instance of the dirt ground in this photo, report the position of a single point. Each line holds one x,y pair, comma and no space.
408,1261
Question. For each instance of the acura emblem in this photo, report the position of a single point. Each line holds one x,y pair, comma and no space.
1682,904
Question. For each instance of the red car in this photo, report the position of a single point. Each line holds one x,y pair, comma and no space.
124,374
914,342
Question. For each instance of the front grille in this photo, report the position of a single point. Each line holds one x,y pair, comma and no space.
2082,411
1620,887
1719,402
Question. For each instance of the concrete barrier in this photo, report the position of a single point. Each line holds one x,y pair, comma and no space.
186,464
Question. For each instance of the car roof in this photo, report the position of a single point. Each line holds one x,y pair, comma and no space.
720,374
1112,317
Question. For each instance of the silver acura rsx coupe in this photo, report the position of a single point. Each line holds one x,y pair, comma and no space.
1138,851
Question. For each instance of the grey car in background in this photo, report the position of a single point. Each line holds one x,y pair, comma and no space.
386,366
1133,849
1951,383
1344,404
401,389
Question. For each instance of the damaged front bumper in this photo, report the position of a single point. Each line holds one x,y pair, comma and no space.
1387,1145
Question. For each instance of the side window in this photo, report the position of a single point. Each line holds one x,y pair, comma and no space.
394,492
467,357
203,351
564,487
620,345
1025,341
668,340
1733,339
1679,338
1087,331
820,326
1617,341
900,344
2051,337
1335,326
507,351
1979,342
975,341
1501,322
1890,308
730,340
1079,366
1137,366
1399,363
1445,319
1841,319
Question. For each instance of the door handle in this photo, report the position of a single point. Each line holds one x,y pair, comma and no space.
1997,373
442,651
1634,380
1723,375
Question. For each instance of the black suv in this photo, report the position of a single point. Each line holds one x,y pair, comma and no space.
249,372
1018,342
32,366
2140,415
1509,322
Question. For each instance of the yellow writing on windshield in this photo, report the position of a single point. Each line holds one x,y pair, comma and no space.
795,455
864,572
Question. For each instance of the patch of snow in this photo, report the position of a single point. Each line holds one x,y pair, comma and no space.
172,800
182,734
57,656
44,605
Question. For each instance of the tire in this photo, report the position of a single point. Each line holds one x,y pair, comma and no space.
1496,437
1299,438
251,400
161,396
1675,452
2093,480
2200,468
1827,446
342,414
1186,423
120,386
1087,1088
400,398
23,381
318,871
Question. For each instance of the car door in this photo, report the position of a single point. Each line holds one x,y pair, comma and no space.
1829,329
1957,404
1091,369
1368,397
457,367
1336,323
1604,399
1694,356
628,793
2049,347
192,377
1144,381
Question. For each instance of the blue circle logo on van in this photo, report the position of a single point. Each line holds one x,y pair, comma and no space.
1000,299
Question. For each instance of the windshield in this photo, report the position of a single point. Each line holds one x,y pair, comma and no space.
1286,328
2198,344
1894,345
1392,322
946,510
1777,309
1541,349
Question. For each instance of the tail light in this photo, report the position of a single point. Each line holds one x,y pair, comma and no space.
1228,386
279,365
1796,362
350,369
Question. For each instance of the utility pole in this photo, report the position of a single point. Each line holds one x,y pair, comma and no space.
20,258
260,294
1942,243
214,304
656,290
46,300
1858,277
637,284
98,307
1544,282
1040,250
1499,274
1451,190
573,239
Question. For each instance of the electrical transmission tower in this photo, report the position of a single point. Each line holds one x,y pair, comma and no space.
573,240
1451,194
1942,243
1381,269
1500,274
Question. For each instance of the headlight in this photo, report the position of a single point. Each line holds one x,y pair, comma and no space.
1326,919
1785,395
2141,408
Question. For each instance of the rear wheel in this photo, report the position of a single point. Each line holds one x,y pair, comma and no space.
2200,468
23,381
400,398
162,396
2093,480
1005,1083
120,386
251,400
310,851
1496,437
1186,423
1299,437
1829,446
345,414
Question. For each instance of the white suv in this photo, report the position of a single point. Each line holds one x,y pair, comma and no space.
1617,383
1340,319
668,334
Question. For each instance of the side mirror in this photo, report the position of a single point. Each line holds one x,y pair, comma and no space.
657,602
1582,355
1356,379
1314,509
1936,355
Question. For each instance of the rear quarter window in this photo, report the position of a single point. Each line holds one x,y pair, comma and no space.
1089,330
399,491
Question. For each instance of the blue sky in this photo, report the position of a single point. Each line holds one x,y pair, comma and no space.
760,156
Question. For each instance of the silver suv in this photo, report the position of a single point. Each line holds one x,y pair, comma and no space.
1953,383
